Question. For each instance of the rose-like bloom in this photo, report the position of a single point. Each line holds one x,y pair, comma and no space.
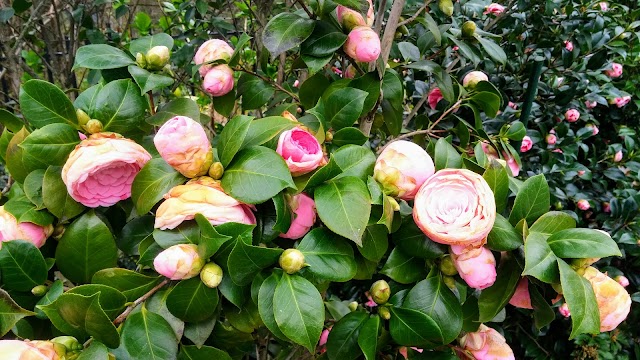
591,104
593,128
183,144
568,45
28,350
551,139
473,78
495,9
583,204
402,168
604,6
304,211
564,310
201,196
527,144
622,280
10,229
487,344
572,115
434,97
210,51
300,150
455,207
521,298
615,71
350,18
101,169
179,262
618,156
476,266
218,81
613,300
363,44
620,101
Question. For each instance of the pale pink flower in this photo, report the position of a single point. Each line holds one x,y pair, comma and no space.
618,156
568,45
11,229
622,280
363,44
218,81
303,209
487,344
615,71
564,310
402,168
495,9
594,129
551,139
527,144
179,262
613,300
604,6
622,101
183,144
476,266
583,205
212,50
591,104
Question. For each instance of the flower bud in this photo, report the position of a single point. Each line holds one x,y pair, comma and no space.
468,29
380,292
69,342
304,210
93,126
447,267
157,57
521,298
353,306
348,18
446,6
591,104
328,136
402,168
39,290
179,262
477,267
210,51
211,275
218,81
182,142
622,280
82,116
583,204
527,144
486,343
473,78
141,60
613,300
615,71
618,156
384,312
568,45
495,9
572,115
216,170
363,44
564,310
551,139
291,261
434,97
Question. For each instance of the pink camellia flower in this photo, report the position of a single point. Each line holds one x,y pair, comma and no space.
527,144
591,104
564,310
434,97
509,161
363,44
495,9
606,207
300,150
621,101
583,205
615,71
212,50
622,280
218,81
618,156
204,196
28,350
513,105
568,45
594,129
512,164
183,144
323,340
455,48
11,229
551,139
304,211
296,83
404,352
613,300
473,78
521,298
402,168
604,6
179,262
101,169
572,115
487,344
455,207
476,266
349,18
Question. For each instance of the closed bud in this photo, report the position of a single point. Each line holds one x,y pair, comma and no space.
211,275
69,342
288,115
468,29
58,231
581,264
93,126
446,6
82,116
353,306
39,290
291,261
384,312
157,57
141,60
471,80
216,170
179,262
328,136
447,266
380,292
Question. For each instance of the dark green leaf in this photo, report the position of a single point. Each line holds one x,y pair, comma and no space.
503,236
493,299
344,207
325,40
579,295
355,161
245,261
153,181
191,300
342,343
375,242
128,282
10,121
10,312
265,304
232,137
540,261
404,268
255,92
344,106
120,107
144,44
202,353
22,264
311,90
329,256
368,337
148,336
265,129
413,328
552,222
286,31
43,103
498,180
101,56
148,81
446,156
210,239
177,107
582,243
532,200
56,197
349,135
112,301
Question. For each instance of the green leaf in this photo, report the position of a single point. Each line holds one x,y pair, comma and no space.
144,44
494,50
344,207
232,138
185,233
325,40
286,31
225,104
191,300
177,107
10,312
329,256
503,236
199,332
299,310
265,304
355,161
283,214
101,56
255,92
148,81
22,264
55,290
446,156
33,188
95,351
148,336
120,107
154,180
516,131
265,129
359,5
191,352
552,222
582,243
342,343
112,301
411,240
409,51
43,103
344,106
493,299
349,135
130,283
540,261
403,268
375,242
86,99
56,197
413,328
240,46
14,123
158,304
311,90
433,298
543,314
370,82
368,337
532,200
86,247
24,211
210,239
498,180
471,314
256,175
246,261
577,291
487,101
18,162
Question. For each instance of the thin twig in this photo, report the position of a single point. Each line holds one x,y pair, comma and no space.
415,16
306,9
151,103
415,109
534,340
122,317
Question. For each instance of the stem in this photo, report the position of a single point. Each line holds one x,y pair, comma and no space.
151,103
415,109
306,9
122,317
389,33
415,16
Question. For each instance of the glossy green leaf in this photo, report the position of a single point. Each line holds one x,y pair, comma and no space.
344,207
158,304
18,162
191,300
355,161
579,295
543,314
283,214
52,142
95,351
375,242
130,283
540,261
494,298
446,156
347,136
265,129
532,200
112,301
552,222
413,328
177,107
199,332
503,236
325,40
56,197
148,336
148,81
368,337
10,313
329,256
120,107
582,243
265,303
311,90
245,261
411,240
10,121
210,239
342,343
154,180
286,31
232,138
185,233
43,103
55,290
494,50
498,180
33,188
191,352
344,106
255,92
144,44
101,56
22,264
404,268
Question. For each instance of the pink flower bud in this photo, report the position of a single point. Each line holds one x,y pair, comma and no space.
473,78
495,9
455,48
527,144
336,71
179,262
434,97
402,168
218,81
363,44
615,71
487,344
564,310
572,115
477,267
512,163
613,300
581,172
323,341
551,139
618,156
568,45
521,297
591,104
304,216
583,205
604,6
210,51
300,150
622,280
183,144
404,352
620,101
30,350
513,105
594,129
296,83
606,207
349,18
559,151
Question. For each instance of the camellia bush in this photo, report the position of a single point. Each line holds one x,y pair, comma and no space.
349,180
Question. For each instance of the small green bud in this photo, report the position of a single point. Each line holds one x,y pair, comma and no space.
328,136
468,29
39,290
380,292
93,126
447,267
157,57
291,261
384,312
353,306
211,275
446,6
82,116
141,60
216,170
558,205
69,342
